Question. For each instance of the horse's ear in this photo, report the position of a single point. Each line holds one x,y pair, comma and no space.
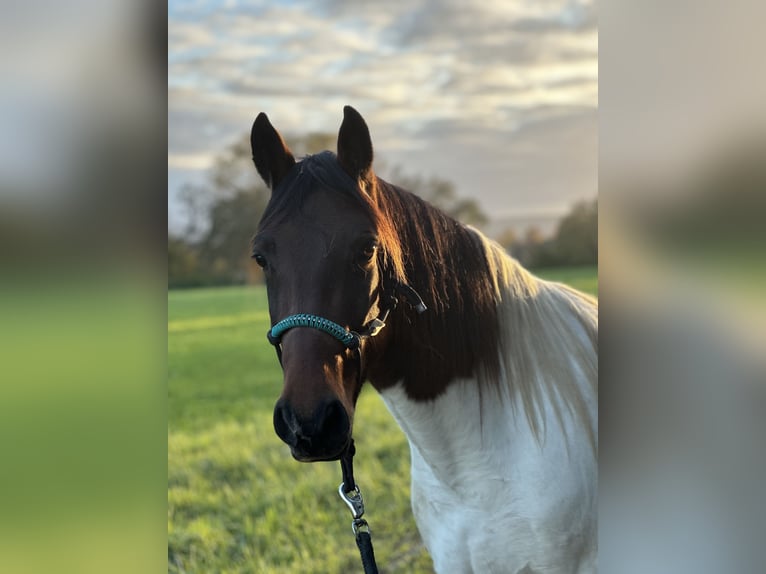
271,156
355,145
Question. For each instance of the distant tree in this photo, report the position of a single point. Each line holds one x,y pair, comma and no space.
195,200
225,248
236,198
532,249
183,264
533,236
507,239
576,239
233,170
222,215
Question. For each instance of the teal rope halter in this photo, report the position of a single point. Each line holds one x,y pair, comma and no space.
349,339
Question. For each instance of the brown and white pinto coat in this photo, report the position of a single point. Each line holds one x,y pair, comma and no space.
495,386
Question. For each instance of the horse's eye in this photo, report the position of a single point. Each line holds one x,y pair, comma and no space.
368,251
259,259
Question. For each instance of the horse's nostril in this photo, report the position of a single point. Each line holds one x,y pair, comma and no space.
320,437
335,421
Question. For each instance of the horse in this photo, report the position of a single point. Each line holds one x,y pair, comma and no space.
495,385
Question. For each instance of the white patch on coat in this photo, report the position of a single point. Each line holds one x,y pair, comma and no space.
504,476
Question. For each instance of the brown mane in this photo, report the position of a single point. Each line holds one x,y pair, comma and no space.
445,262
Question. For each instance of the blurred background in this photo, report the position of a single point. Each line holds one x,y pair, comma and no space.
82,285
682,240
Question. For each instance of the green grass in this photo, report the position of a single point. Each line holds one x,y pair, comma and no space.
237,501
583,278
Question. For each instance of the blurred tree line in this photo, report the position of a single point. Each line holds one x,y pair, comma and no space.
575,241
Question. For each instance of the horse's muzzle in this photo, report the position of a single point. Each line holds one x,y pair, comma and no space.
322,436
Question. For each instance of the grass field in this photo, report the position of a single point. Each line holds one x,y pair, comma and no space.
237,501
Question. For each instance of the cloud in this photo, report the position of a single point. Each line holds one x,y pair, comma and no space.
190,161
545,163
426,74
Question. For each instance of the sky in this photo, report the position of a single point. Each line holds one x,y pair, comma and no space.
499,96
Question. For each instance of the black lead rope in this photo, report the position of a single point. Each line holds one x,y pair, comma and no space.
364,542
352,496
347,467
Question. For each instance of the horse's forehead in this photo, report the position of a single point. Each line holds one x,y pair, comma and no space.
334,207
327,216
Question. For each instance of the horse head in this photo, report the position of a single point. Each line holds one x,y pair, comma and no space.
325,248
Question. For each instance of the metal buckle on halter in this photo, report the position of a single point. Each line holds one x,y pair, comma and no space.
353,500
374,327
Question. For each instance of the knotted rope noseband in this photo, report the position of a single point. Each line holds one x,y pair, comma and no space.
352,340
349,339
